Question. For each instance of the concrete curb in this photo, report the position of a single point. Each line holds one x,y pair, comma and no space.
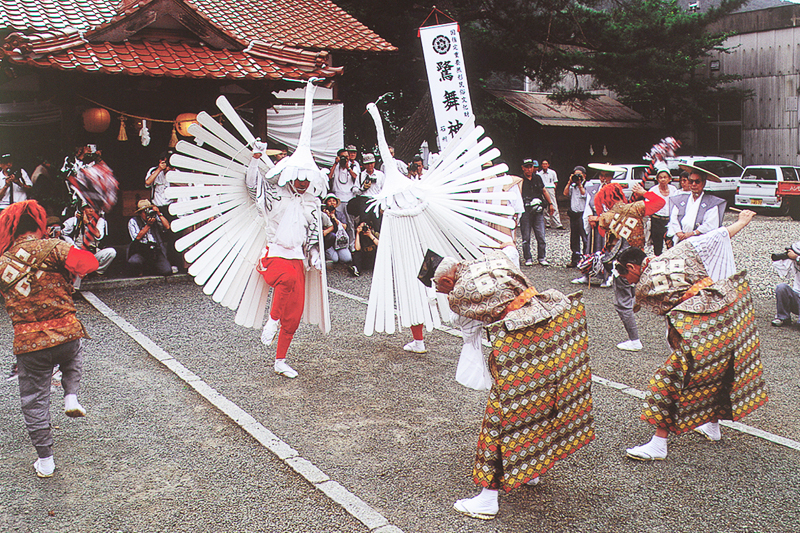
351,503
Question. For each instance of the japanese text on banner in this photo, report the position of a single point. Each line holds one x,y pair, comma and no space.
447,78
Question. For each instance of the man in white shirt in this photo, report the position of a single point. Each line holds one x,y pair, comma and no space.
343,182
16,182
695,213
156,180
370,181
550,179
787,296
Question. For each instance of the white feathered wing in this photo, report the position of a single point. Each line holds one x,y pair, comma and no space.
229,233
446,212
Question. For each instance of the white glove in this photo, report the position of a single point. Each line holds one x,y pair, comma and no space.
316,259
259,147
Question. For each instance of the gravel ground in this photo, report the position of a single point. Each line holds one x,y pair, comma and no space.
392,427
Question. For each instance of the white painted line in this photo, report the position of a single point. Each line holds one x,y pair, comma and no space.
625,389
351,503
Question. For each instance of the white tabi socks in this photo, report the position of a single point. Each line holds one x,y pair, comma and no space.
72,408
269,331
484,506
282,368
710,431
655,450
415,346
44,466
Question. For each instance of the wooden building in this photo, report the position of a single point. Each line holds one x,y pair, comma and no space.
90,71
765,52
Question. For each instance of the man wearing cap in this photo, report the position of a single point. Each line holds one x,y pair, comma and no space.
370,181
38,298
550,180
147,250
660,219
695,213
16,182
76,233
787,296
714,372
575,190
537,202
343,182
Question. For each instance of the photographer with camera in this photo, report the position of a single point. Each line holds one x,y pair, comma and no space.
536,200
787,297
415,168
343,178
156,181
334,233
147,251
366,248
370,181
77,232
16,182
576,192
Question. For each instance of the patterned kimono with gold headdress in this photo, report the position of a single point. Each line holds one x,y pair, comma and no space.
540,404
715,369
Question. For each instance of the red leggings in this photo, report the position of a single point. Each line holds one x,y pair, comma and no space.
416,331
288,278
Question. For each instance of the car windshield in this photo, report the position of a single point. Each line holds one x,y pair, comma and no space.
761,174
721,168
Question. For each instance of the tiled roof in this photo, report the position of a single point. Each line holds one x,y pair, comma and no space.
311,24
69,51
314,24
41,15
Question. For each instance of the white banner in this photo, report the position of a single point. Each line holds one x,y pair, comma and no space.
452,106
327,135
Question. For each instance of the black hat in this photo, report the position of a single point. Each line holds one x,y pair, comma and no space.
428,268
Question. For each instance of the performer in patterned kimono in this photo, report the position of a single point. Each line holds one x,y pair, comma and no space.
540,404
714,372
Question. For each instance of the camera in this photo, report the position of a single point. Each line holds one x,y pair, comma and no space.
328,208
412,167
342,159
785,254
150,213
54,231
534,206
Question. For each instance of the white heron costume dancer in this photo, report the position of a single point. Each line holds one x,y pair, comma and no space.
262,226
444,211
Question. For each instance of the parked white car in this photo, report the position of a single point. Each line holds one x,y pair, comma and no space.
631,175
758,185
728,171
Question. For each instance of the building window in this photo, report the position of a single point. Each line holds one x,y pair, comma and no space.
722,135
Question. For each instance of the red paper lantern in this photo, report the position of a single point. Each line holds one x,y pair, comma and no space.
96,120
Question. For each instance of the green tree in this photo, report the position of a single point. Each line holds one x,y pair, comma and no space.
647,51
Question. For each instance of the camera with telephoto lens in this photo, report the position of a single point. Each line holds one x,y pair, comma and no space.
785,255
342,159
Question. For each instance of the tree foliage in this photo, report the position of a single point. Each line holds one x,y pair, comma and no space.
649,52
